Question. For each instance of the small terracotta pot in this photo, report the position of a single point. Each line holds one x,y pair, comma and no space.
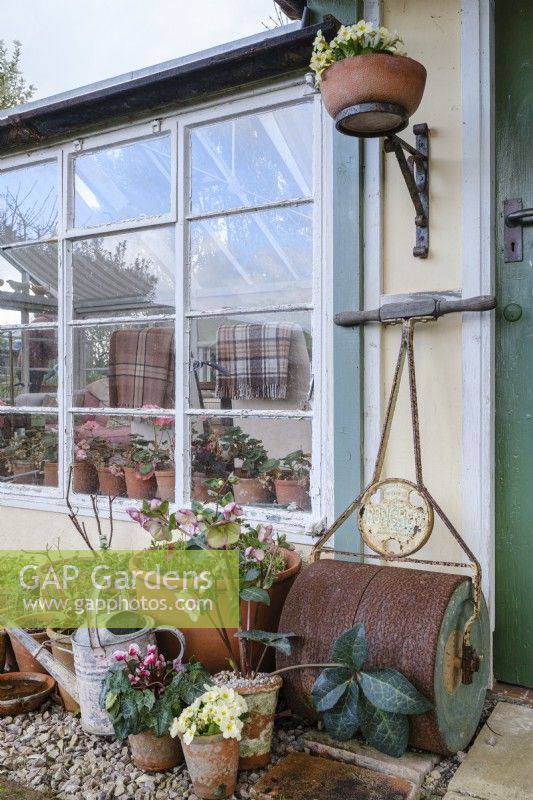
40,686
25,661
51,473
289,491
198,487
249,492
138,489
21,470
212,762
166,479
111,485
373,78
84,478
61,644
153,753
256,741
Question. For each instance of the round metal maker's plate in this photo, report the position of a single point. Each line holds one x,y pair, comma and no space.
395,520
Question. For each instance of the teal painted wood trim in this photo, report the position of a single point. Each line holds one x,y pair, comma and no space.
347,293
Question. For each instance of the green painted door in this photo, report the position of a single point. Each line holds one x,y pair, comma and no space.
513,641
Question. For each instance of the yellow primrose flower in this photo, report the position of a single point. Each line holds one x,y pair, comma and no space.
364,27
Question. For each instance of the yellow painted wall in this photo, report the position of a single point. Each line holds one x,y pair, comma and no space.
431,31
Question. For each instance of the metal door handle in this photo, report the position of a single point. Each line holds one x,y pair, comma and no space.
524,217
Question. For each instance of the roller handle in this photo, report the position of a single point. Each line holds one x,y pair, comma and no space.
425,307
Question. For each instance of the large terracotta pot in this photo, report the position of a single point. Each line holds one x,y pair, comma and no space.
51,473
137,488
61,644
373,78
25,661
212,762
111,485
256,741
250,492
84,478
153,753
3,639
24,472
166,480
289,491
206,645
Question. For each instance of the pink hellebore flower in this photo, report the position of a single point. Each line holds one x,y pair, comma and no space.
157,529
155,503
254,552
231,511
119,655
135,515
186,519
133,650
266,533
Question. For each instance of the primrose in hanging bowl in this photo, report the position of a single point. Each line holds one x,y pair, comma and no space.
368,85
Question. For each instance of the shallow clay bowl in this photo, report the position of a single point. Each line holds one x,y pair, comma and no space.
23,691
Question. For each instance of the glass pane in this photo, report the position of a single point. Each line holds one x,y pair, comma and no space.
251,361
28,449
123,182
28,203
256,258
124,456
124,274
28,284
124,366
29,367
252,160
271,457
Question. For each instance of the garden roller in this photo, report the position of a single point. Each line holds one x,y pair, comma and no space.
432,626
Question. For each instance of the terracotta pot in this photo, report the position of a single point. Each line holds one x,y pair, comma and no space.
25,661
206,645
138,489
256,741
166,479
51,473
111,485
23,691
373,78
21,470
250,492
212,762
198,487
153,753
289,491
84,478
61,644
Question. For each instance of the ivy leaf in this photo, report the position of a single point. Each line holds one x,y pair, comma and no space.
329,687
342,721
350,648
279,641
255,595
223,535
389,690
387,732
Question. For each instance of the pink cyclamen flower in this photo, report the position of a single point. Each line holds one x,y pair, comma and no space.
145,673
133,679
150,659
151,649
231,511
255,553
133,650
119,655
177,666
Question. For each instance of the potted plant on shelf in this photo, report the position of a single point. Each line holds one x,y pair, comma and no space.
143,694
164,445
84,475
210,730
366,64
291,480
139,469
254,465
207,463
109,463
50,454
25,456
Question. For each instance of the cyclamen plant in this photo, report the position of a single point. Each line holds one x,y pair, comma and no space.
220,710
147,692
353,40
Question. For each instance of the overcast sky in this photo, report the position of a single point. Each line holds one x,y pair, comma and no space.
69,43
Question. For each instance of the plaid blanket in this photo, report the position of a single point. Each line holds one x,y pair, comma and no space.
141,368
256,360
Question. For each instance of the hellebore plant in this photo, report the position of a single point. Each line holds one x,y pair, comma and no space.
377,702
148,692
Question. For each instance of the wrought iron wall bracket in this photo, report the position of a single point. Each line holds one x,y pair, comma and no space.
415,170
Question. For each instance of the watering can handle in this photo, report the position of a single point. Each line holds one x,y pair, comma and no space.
179,636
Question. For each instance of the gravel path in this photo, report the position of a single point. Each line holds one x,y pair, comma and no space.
49,751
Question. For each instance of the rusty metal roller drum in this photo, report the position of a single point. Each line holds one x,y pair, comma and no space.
414,621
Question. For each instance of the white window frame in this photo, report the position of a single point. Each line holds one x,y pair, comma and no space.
177,126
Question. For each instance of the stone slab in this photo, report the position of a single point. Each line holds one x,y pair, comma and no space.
499,765
300,776
412,766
